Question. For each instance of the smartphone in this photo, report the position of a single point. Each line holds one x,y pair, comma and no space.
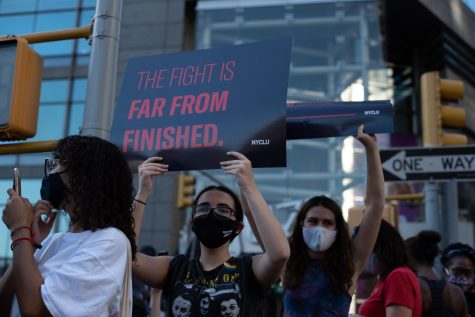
17,180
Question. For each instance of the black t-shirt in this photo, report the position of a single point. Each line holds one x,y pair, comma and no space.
231,289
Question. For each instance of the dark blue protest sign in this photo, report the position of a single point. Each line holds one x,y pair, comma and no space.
193,107
333,119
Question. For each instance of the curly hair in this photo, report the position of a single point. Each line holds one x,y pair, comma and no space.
100,184
423,248
337,261
390,249
456,250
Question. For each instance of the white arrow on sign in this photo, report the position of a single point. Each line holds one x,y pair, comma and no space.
399,165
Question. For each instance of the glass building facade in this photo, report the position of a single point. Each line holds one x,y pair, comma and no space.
336,56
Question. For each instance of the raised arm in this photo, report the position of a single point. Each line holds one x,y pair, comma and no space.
365,239
150,168
267,266
147,269
18,216
250,219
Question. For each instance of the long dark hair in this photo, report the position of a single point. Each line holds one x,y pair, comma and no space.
337,262
423,248
389,249
100,184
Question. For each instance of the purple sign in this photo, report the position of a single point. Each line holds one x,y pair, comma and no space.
193,107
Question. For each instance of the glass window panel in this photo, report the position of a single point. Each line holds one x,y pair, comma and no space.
89,3
50,122
54,91
82,60
8,160
51,22
56,61
76,119
10,6
79,89
17,24
55,21
57,4
33,159
55,48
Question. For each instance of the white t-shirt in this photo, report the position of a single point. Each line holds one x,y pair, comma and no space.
83,273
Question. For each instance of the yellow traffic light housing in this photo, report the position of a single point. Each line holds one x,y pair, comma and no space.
185,190
433,91
20,86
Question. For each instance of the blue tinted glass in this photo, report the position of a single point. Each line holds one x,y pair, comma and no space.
470,4
10,6
33,159
57,61
8,160
57,4
52,22
50,122
89,3
79,89
76,120
54,91
18,24
55,21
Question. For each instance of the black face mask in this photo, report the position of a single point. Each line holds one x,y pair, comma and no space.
214,230
53,189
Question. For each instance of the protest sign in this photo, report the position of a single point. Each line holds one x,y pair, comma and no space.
193,107
332,119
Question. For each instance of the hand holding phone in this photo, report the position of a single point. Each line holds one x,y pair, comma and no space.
17,180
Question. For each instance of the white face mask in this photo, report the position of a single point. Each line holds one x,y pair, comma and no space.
318,239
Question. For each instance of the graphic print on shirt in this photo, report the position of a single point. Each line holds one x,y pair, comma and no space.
220,296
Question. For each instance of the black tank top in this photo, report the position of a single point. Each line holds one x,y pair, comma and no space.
437,307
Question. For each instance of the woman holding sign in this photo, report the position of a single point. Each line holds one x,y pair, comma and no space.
325,262
215,284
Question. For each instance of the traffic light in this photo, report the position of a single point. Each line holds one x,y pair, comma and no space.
20,85
355,215
434,90
186,190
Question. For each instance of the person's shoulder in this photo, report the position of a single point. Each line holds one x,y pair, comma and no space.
403,272
109,238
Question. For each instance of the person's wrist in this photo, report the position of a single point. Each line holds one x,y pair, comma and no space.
20,228
142,196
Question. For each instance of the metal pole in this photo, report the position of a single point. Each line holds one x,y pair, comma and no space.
432,206
102,74
451,213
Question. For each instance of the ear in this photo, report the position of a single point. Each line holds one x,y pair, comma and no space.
239,227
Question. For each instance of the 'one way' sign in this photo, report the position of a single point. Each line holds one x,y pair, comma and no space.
419,164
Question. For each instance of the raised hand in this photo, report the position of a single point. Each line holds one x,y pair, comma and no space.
241,168
368,140
18,211
41,227
150,168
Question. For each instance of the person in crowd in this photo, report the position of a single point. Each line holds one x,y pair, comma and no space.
215,283
82,272
397,293
325,262
458,260
439,298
